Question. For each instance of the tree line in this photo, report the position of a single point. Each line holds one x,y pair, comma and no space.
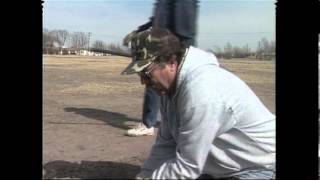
58,39
265,50
54,40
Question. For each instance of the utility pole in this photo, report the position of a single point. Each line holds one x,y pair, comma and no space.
258,51
247,49
89,34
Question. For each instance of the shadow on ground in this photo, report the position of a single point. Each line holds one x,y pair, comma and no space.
111,118
90,170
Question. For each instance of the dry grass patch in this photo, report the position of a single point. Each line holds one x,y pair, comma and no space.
252,71
105,88
108,63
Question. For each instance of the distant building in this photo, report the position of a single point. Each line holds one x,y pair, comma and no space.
83,52
72,51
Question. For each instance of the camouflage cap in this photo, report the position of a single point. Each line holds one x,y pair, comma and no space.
147,46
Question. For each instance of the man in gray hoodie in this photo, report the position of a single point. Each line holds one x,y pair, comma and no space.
212,122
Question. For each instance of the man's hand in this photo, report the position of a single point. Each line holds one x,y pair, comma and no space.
142,176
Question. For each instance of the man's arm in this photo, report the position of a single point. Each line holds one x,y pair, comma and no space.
164,148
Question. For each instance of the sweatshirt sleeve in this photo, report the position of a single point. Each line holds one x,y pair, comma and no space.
162,151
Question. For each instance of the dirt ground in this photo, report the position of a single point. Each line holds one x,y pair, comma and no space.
88,106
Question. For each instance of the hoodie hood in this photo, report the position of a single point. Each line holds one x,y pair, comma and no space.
194,58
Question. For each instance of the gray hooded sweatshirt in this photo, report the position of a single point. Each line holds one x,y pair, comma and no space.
213,124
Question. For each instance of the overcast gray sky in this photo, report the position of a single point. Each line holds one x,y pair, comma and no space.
239,22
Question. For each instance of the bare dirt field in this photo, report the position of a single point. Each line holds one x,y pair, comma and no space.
88,106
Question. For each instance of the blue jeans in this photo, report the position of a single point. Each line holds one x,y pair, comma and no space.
151,108
179,16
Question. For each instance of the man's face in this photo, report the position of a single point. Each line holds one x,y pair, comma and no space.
159,78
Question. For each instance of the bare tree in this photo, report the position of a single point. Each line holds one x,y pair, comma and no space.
45,38
246,50
54,37
48,40
272,47
98,44
216,51
79,40
115,47
237,52
265,49
62,36
228,51
59,37
265,45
